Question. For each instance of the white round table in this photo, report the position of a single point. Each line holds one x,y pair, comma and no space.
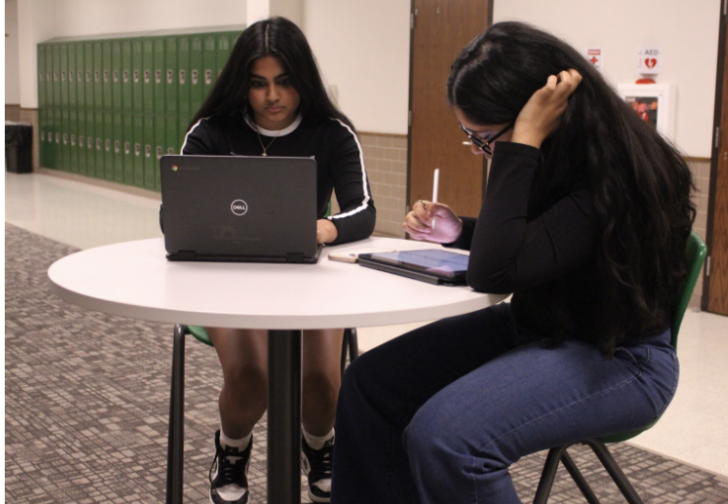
134,279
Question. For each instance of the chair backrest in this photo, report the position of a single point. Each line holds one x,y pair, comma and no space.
696,252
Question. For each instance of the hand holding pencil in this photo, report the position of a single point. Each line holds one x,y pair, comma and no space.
420,222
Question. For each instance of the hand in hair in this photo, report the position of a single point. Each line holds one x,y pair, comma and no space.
542,113
419,222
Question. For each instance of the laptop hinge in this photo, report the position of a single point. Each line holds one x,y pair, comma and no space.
186,255
294,257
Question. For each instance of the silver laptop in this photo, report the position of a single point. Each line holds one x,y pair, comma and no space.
239,208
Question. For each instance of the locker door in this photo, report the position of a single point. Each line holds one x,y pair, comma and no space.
116,146
137,77
147,76
100,170
126,76
148,152
63,71
98,65
196,74
171,87
56,65
71,76
137,143
56,155
106,61
127,148
159,78
41,103
88,71
81,147
209,64
80,76
48,49
73,139
65,156
90,143
108,145
116,77
183,81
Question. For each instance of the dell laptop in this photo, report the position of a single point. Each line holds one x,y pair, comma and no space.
239,208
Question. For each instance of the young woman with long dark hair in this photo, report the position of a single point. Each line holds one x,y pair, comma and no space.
270,100
585,220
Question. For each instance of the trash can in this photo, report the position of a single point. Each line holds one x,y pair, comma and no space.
18,147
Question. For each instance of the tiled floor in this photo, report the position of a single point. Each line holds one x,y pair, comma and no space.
693,429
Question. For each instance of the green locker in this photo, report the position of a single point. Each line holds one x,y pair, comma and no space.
106,61
171,75
81,141
116,147
160,139
137,72
63,50
72,102
55,143
137,142
41,78
127,150
116,78
148,157
209,64
88,56
41,103
73,139
90,142
222,52
65,156
126,76
98,64
171,139
43,142
159,78
99,160
196,74
183,80
173,135
108,145
48,64
80,76
56,69
148,76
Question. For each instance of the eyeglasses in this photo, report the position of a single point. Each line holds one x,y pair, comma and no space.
484,145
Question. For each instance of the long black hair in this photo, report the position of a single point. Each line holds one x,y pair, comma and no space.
281,38
642,185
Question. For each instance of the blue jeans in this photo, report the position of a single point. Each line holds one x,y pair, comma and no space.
439,414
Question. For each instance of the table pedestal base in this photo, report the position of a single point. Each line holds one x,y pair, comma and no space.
284,418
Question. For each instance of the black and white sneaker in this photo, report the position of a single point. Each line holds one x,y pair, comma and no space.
316,464
229,474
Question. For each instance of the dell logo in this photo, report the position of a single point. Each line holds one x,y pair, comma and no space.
239,207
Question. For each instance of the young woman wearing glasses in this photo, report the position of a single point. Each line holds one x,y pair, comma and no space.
585,220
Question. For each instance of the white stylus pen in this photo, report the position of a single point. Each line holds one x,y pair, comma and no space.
435,188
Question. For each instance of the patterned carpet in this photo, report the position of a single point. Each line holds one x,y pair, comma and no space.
87,398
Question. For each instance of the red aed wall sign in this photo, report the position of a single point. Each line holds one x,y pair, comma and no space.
650,60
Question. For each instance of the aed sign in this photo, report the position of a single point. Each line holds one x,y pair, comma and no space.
650,60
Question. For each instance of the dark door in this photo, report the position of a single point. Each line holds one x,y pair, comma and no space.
441,28
715,287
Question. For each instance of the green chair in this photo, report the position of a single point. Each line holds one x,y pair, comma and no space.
696,252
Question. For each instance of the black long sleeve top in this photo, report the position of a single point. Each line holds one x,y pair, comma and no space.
334,146
545,256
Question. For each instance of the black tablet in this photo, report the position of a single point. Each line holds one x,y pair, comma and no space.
435,266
